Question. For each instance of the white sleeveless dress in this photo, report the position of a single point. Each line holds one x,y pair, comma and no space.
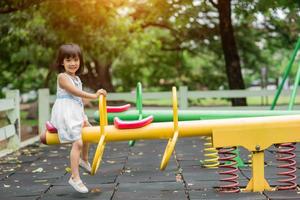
68,113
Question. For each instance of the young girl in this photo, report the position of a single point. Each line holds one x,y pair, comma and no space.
68,113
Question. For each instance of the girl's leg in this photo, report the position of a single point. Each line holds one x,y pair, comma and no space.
74,159
85,147
85,152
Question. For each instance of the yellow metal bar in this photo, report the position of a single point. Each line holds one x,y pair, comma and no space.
258,183
101,144
257,137
172,141
278,129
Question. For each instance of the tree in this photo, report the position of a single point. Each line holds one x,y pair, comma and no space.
162,43
9,6
232,59
25,50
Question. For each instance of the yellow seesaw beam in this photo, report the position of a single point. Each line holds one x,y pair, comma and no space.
255,133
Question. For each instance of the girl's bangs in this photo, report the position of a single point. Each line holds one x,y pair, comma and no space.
70,51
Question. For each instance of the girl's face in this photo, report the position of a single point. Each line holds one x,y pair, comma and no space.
71,64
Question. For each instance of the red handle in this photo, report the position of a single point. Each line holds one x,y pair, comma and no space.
113,109
50,127
132,124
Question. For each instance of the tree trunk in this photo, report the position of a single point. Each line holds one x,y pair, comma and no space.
98,77
232,60
48,77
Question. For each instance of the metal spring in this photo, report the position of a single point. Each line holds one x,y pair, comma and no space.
286,155
228,163
250,160
211,154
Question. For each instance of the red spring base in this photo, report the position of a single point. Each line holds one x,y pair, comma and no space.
229,169
286,155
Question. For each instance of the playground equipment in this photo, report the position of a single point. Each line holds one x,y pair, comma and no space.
227,155
255,134
159,115
210,153
285,152
139,106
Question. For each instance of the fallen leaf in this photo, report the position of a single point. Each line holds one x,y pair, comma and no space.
38,170
95,190
8,170
40,181
68,169
179,178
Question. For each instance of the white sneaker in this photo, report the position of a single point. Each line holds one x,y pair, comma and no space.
85,165
78,186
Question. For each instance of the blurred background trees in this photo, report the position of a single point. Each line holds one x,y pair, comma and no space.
202,44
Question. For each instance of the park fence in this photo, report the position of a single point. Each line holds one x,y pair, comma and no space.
10,133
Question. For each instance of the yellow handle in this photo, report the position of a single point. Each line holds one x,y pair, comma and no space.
102,111
98,155
101,145
172,141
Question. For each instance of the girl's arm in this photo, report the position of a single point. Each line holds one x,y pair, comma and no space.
65,84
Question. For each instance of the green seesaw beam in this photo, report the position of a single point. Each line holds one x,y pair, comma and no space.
190,115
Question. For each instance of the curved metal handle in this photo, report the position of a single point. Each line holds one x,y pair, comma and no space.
50,127
120,124
113,109
101,143
172,141
98,155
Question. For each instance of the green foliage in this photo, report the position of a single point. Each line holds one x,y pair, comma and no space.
160,43
24,53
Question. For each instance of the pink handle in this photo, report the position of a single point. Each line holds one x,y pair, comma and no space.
50,127
112,109
132,124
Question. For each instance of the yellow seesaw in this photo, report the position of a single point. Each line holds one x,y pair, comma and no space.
255,134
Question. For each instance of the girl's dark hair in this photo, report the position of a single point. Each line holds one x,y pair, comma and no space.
68,51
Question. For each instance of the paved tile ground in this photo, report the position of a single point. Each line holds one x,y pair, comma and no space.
38,172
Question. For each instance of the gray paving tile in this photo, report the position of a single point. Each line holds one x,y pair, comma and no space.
152,186
99,191
283,195
210,184
151,195
22,187
132,171
147,176
214,195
